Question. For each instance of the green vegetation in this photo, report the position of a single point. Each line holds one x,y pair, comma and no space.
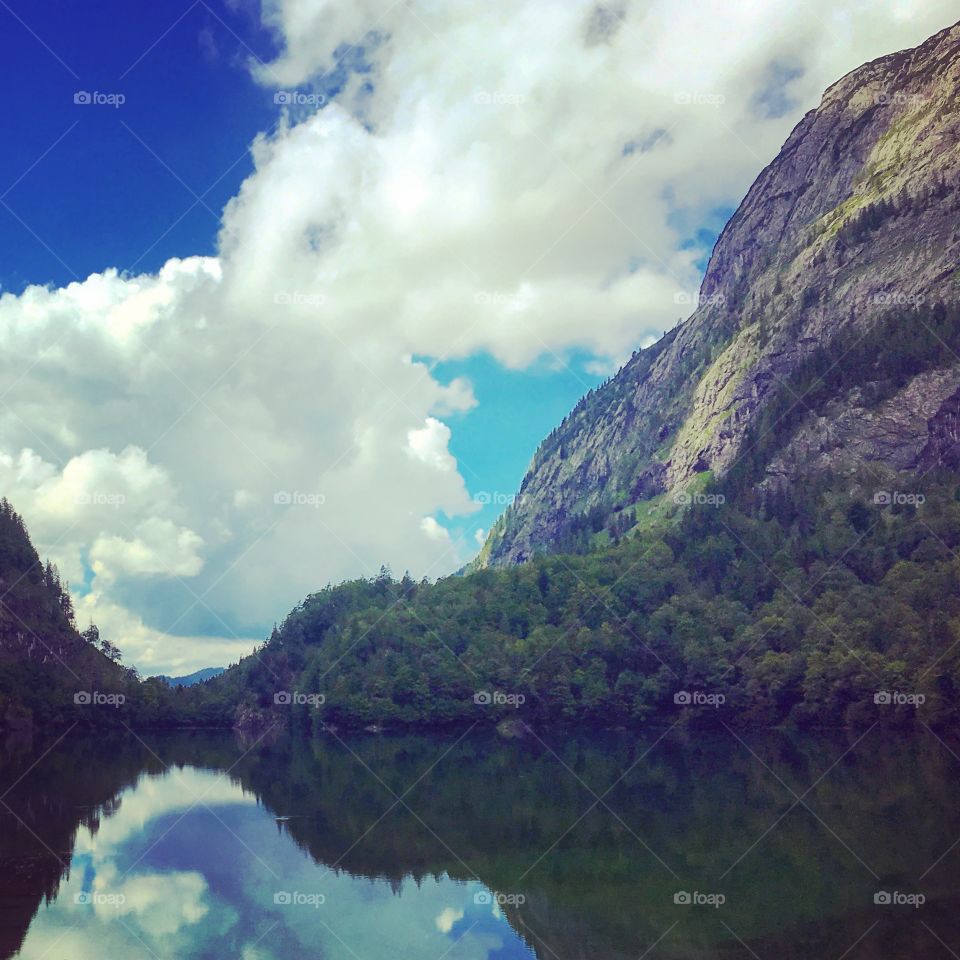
801,608
44,660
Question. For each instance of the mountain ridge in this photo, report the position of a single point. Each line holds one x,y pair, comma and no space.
876,162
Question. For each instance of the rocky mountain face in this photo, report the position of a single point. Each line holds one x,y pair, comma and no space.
847,242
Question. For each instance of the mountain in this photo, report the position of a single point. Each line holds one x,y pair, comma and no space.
45,662
814,396
192,679
829,280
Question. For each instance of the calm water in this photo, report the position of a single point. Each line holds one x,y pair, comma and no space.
193,845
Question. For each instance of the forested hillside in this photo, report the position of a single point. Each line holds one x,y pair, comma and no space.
808,605
46,663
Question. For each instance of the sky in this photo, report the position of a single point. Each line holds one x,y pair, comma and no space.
292,290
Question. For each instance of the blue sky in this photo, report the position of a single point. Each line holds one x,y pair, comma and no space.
108,187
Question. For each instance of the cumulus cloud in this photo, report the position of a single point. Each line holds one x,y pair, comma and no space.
200,447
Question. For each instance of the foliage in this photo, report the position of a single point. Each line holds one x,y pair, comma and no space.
801,608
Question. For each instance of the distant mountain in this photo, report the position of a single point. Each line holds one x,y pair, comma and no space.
831,275
191,679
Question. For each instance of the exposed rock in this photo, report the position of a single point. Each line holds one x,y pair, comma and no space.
914,430
791,272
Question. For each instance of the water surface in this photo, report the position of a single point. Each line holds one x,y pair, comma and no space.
727,845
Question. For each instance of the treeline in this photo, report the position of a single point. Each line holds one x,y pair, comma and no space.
812,611
871,217
45,662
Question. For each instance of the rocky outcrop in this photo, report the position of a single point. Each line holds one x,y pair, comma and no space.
914,430
858,216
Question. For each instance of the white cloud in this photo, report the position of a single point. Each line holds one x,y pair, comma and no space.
161,903
434,530
428,444
156,547
448,919
521,180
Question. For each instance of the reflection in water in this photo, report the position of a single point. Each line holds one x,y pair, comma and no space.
195,845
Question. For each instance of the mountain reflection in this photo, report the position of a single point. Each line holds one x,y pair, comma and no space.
185,844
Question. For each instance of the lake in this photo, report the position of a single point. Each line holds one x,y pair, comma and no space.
467,847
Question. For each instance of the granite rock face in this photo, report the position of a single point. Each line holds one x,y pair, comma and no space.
857,217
